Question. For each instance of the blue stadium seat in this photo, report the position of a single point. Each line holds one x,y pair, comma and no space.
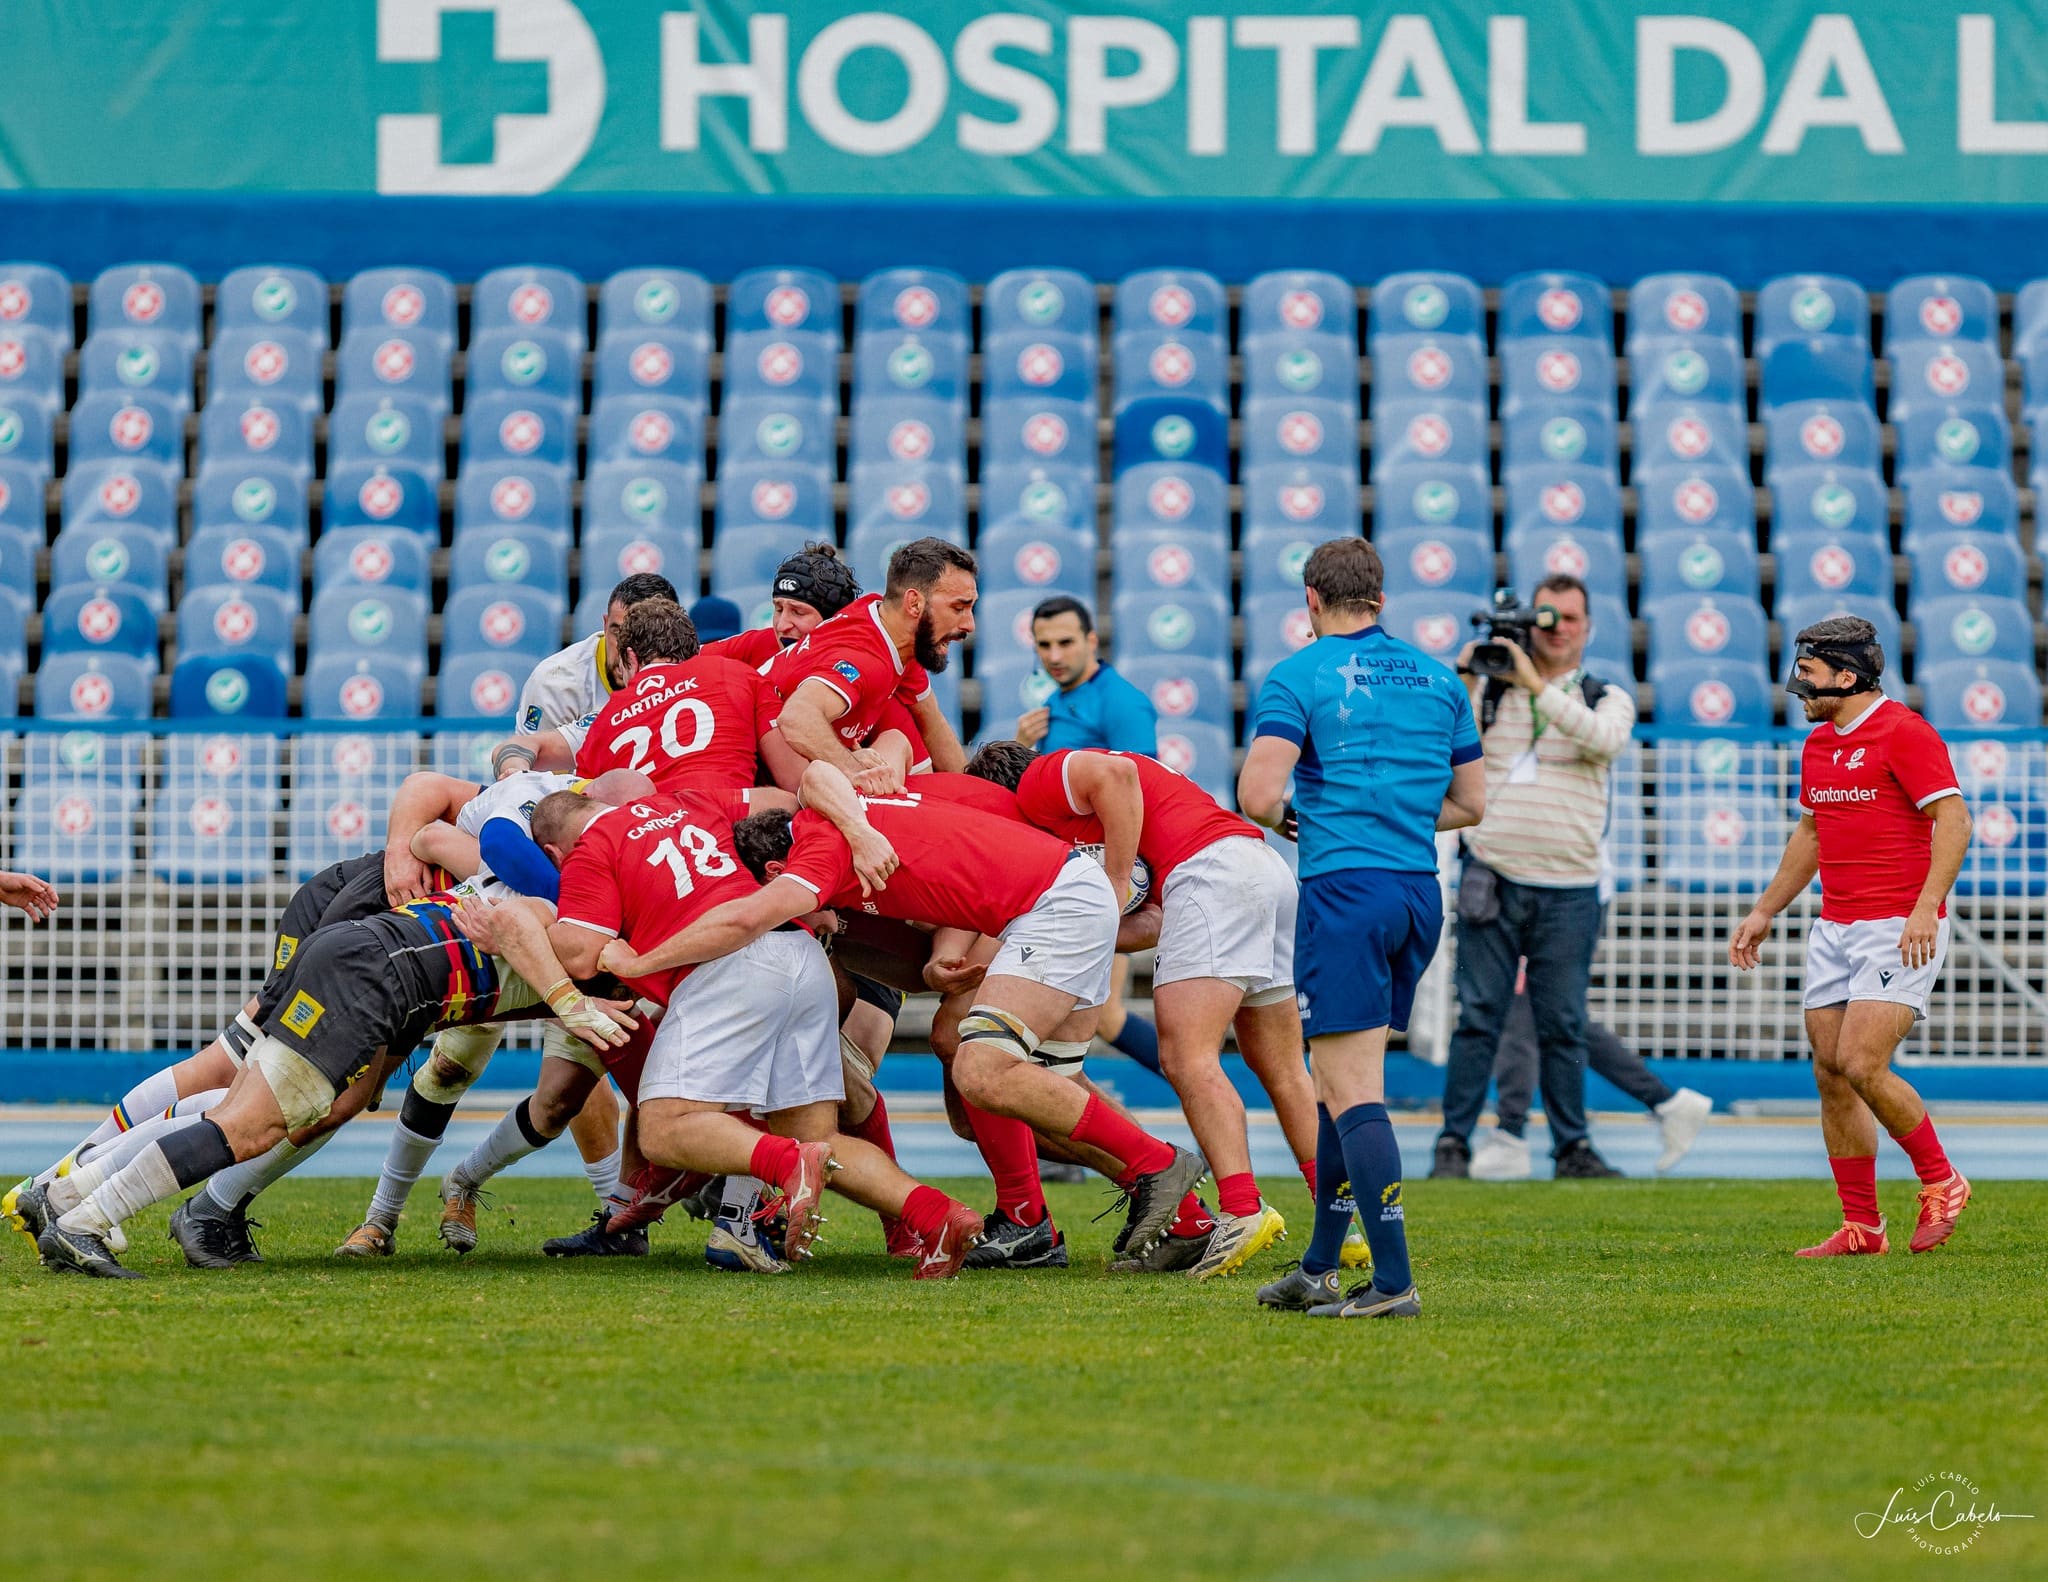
1275,625
644,495
75,830
1842,500
1171,363
256,494
1819,368
751,429
360,494
1735,694
464,754
508,427
1172,428
372,557
525,364
1010,685
1795,615
1299,302
1969,626
928,302
774,493
18,551
673,365
1694,499
1586,499
35,296
1435,562
24,505
481,685
2008,851
211,835
493,495
397,430
1307,429
1171,299
611,554
1581,434
1169,559
244,556
1039,300
95,754
1822,434
1797,307
1281,364
1980,694
1816,563
241,686
1276,557
132,363
1953,436
272,299
1537,550
904,433
1168,494
870,545
666,302
502,619
1966,561
910,499
1152,622
1428,368
1017,553
748,558
263,366
1610,643
352,685
101,619
1439,627
1671,371
1025,365
26,434
110,555
1689,438
1203,752
655,428
386,621
496,556
784,365
1555,372
93,686
332,820
1945,499
192,760
1321,498
1720,836
127,493
31,368
1686,629
1994,768
1050,496
237,430
1186,689
418,301
1940,308
2029,315
899,363
1443,304
160,298
1547,303
1698,307
1042,432
2034,379
529,297
783,300
378,360
1937,374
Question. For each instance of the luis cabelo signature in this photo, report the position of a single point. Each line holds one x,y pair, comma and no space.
1943,1512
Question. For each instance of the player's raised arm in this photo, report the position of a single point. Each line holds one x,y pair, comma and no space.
1107,786
1796,869
831,793
719,932
424,798
517,931
808,724
549,750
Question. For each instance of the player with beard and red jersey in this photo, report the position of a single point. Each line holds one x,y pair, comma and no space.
1885,826
1056,915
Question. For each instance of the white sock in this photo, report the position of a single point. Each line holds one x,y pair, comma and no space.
240,1182
509,1142
150,1097
403,1161
122,1148
604,1174
742,1197
144,1180
67,1192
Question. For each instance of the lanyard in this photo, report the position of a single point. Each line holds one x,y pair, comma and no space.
1537,723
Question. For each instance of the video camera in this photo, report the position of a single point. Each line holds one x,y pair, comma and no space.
1507,619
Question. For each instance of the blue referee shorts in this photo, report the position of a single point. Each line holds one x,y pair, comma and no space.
1363,939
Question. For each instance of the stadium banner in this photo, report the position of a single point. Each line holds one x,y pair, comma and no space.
1881,102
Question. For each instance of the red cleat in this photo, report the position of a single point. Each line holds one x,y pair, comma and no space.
801,1190
941,1257
902,1240
1849,1241
1940,1206
656,1189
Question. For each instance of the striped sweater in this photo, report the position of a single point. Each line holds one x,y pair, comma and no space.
1547,832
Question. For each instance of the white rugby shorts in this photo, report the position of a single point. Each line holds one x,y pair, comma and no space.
1228,913
758,1028
1068,940
1860,961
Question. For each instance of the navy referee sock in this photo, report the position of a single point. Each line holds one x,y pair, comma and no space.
1139,1039
1373,1159
1326,1243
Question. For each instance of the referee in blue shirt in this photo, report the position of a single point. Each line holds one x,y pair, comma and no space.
1380,741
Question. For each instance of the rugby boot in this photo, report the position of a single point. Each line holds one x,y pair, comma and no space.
1237,1239
1940,1206
1369,1301
1297,1290
204,1241
1852,1240
1005,1244
368,1240
948,1250
599,1240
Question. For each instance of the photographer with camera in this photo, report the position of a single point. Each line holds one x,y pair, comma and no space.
1531,884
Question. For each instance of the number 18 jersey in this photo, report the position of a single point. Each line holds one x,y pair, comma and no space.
645,871
696,725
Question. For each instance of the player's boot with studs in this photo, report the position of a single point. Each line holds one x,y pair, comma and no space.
944,1253
1155,1202
1941,1204
1237,1239
10,1209
1005,1244
1851,1241
458,1215
1369,1301
802,1186
79,1252
599,1240
1297,1290
368,1240
204,1239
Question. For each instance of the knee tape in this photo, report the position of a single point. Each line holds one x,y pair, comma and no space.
1272,996
458,1059
1062,1056
856,1059
302,1092
558,1043
238,1037
987,1024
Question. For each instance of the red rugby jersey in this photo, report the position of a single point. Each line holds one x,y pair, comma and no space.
1868,788
1180,817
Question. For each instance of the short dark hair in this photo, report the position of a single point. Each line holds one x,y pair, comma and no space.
922,562
1346,574
762,838
658,631
1064,604
1003,763
1564,582
559,816
642,585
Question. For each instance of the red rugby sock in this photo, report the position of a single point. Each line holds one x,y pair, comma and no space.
875,1129
1856,1186
773,1159
1930,1163
925,1210
1138,1151
1308,1174
1010,1149
1238,1195
1193,1219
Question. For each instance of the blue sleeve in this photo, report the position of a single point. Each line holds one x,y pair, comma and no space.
1130,724
1281,711
512,855
1464,732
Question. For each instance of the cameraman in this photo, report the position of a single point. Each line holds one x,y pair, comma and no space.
1531,886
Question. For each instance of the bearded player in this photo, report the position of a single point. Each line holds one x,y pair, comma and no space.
1885,826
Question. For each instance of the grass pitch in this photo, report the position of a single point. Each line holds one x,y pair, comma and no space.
1624,1380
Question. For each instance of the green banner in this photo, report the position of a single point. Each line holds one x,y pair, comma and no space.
1885,102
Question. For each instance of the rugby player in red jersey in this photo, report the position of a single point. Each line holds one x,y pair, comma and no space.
1056,915
1885,826
1226,956
812,585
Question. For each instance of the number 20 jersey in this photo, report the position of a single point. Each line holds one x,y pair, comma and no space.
646,871
696,725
